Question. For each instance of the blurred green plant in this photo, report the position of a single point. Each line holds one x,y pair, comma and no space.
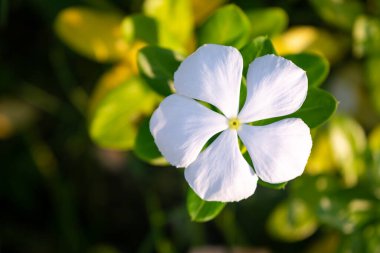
335,205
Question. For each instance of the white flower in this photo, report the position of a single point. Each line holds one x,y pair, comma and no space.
181,126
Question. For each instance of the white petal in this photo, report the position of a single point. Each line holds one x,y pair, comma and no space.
221,173
279,151
212,74
276,87
181,127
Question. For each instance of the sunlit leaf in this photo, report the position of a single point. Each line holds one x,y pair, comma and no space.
316,67
259,46
321,159
157,66
341,14
138,27
145,148
366,35
299,39
175,23
203,9
108,81
292,221
348,143
201,210
227,26
114,121
91,32
269,21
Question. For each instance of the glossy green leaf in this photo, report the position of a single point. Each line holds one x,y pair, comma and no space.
316,67
227,26
257,47
318,107
114,121
145,147
175,22
341,14
157,66
201,210
268,21
140,28
292,221
366,35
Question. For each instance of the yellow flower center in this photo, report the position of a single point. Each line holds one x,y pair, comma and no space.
234,123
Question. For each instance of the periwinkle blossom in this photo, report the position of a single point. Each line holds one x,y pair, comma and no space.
181,126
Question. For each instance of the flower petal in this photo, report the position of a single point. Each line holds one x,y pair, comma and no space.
279,151
220,173
212,74
181,127
276,87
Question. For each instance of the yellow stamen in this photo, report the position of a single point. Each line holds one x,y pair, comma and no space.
234,123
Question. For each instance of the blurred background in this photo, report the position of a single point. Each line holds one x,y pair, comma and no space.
65,188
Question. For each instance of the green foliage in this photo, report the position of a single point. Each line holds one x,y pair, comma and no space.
201,210
366,35
318,107
259,46
175,22
268,21
316,67
373,81
91,32
145,148
227,26
292,221
157,66
120,111
341,14
279,186
138,27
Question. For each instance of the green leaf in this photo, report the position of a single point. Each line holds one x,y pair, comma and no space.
366,35
318,107
341,14
317,67
268,21
227,26
140,28
145,147
258,47
91,33
292,221
348,141
201,210
157,66
175,22
114,121
279,186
